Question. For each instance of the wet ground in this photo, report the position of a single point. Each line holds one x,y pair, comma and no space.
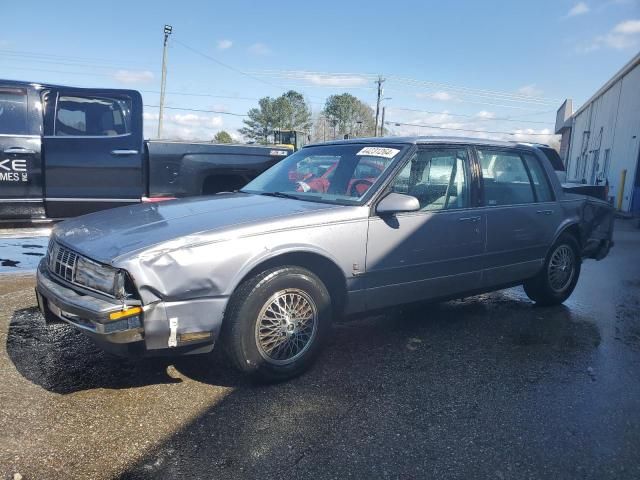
21,249
488,387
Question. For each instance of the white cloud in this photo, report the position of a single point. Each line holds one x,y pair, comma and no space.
193,120
530,90
628,27
335,80
477,127
579,8
485,114
224,44
183,126
441,95
259,49
624,35
133,76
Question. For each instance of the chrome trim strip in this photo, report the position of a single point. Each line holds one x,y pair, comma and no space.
18,135
88,136
73,199
28,200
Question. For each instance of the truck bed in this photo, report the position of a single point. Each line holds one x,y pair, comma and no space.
182,169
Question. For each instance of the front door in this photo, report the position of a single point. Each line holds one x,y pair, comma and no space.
93,150
436,251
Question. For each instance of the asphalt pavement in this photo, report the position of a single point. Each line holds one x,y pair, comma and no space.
490,386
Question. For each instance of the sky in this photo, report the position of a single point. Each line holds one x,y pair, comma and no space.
475,68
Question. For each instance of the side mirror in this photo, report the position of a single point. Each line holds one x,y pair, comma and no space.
396,203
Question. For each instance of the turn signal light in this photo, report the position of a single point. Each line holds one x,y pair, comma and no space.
125,313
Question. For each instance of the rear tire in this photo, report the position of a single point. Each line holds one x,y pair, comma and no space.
558,278
277,323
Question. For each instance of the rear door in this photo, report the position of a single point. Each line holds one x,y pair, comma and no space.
93,150
20,163
436,251
521,211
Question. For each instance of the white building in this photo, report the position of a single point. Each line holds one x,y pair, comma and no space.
601,140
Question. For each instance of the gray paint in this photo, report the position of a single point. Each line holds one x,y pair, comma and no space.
186,257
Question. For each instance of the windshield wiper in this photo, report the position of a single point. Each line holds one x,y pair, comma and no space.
280,195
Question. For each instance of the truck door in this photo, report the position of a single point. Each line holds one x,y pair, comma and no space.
20,167
93,150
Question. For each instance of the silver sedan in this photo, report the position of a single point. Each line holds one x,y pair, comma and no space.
332,230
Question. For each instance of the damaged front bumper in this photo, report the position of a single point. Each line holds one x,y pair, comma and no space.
87,313
160,328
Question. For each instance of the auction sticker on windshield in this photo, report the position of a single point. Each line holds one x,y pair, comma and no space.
379,152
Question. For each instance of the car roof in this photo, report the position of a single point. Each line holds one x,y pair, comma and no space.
426,140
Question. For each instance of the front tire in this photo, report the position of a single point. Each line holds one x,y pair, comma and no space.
558,278
277,323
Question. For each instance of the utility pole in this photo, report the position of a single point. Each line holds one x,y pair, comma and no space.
382,122
167,31
380,81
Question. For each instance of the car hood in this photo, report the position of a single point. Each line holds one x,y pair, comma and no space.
106,235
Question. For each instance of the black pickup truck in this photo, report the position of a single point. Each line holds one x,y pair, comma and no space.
67,151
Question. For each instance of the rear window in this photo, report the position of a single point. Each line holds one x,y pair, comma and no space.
554,158
13,112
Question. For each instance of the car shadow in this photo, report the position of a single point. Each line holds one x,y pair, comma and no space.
61,359
378,391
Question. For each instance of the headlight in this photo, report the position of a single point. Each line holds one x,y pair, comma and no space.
99,277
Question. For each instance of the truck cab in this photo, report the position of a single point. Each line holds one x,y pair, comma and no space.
92,143
67,151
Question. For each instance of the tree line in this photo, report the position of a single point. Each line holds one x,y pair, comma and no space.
343,114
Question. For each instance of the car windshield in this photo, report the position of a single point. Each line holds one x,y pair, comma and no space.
341,174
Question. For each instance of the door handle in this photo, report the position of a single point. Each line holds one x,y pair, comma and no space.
469,219
544,212
19,151
124,153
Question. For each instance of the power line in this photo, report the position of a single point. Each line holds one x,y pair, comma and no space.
49,56
492,94
225,65
476,117
463,129
502,95
68,63
220,112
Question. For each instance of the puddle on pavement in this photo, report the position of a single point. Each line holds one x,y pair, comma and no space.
21,254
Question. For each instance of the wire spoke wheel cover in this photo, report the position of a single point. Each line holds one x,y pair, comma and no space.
286,326
561,268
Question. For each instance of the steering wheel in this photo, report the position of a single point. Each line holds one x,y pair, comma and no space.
353,191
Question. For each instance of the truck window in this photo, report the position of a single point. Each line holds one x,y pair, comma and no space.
92,116
13,111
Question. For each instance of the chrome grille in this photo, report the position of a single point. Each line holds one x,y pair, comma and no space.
62,262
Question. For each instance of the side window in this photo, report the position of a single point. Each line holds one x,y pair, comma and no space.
13,111
505,178
539,179
92,116
437,178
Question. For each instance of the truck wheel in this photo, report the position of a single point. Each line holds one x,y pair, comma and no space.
277,323
559,276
